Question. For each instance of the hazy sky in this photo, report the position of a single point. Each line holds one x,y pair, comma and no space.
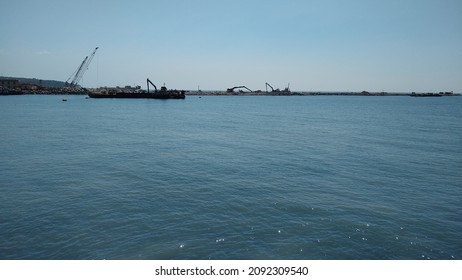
325,45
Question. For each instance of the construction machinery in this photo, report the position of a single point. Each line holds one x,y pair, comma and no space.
233,88
137,92
78,74
149,82
286,90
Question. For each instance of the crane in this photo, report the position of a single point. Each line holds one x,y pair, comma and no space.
78,74
233,88
268,85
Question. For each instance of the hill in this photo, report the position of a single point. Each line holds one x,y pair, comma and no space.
34,81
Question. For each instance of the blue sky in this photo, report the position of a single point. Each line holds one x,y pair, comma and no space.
315,45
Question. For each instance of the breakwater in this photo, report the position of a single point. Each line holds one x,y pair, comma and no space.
317,93
85,91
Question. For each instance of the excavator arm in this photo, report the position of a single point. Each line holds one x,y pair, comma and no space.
233,88
149,82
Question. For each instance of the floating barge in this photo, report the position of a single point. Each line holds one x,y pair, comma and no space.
168,94
163,93
425,94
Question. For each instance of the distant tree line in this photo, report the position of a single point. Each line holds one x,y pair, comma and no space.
39,82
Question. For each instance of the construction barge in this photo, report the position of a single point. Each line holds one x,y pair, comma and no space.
163,93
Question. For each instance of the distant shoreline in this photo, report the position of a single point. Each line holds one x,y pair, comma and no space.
52,87
318,93
225,93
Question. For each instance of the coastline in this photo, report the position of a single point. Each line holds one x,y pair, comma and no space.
84,91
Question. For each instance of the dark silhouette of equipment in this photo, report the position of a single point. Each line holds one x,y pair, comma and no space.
233,88
78,74
149,82
137,92
286,90
163,89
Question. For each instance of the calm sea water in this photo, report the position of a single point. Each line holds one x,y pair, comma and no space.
231,178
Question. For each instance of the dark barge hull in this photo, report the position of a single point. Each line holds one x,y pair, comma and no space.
174,95
11,93
425,95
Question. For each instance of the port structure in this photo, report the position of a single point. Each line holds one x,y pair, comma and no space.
78,74
233,88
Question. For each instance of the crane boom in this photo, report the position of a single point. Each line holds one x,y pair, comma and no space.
83,67
74,75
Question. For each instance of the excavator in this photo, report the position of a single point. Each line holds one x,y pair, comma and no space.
233,88
155,88
286,90
163,92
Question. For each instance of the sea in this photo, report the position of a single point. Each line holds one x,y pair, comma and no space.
231,177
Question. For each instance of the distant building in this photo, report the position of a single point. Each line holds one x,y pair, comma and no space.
8,83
